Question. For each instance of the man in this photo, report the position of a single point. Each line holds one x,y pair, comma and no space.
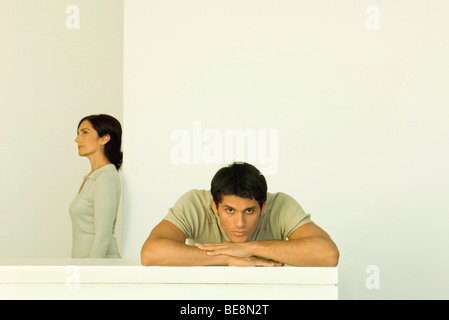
238,223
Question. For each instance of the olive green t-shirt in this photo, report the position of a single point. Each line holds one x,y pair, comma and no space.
194,216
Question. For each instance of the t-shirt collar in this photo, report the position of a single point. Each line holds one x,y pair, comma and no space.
94,175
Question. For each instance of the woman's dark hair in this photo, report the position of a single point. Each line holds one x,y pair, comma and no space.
106,124
240,179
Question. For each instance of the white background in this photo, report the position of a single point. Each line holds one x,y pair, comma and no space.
362,119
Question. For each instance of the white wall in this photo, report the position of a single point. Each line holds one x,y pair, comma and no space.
361,117
357,94
50,77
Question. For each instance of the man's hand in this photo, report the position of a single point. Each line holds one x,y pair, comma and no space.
252,262
239,254
234,249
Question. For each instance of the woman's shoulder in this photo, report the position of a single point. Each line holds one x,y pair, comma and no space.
107,174
108,170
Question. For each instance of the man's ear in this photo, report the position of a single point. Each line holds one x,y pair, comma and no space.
263,208
214,207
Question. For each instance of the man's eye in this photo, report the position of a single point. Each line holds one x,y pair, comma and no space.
228,210
249,211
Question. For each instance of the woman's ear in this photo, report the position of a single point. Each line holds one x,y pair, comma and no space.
105,139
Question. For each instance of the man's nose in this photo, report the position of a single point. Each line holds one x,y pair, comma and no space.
239,220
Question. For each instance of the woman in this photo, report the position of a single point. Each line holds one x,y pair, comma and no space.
94,209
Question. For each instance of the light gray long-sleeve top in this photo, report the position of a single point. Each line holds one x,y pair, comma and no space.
94,213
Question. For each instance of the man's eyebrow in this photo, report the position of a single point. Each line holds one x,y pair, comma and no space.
252,208
249,208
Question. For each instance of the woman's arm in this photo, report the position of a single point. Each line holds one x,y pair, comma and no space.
106,198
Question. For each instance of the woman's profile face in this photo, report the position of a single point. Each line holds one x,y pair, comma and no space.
88,141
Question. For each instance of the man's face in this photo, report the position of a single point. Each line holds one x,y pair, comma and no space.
239,217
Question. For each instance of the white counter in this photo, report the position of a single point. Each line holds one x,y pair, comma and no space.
128,279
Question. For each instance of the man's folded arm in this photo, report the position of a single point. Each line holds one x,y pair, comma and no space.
308,245
166,246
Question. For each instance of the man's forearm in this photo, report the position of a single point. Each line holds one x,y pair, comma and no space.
166,252
307,252
311,251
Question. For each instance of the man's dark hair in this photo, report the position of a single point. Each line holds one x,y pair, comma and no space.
240,179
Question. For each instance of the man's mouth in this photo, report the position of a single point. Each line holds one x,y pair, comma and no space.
239,233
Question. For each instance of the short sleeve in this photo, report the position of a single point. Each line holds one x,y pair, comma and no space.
290,214
185,213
